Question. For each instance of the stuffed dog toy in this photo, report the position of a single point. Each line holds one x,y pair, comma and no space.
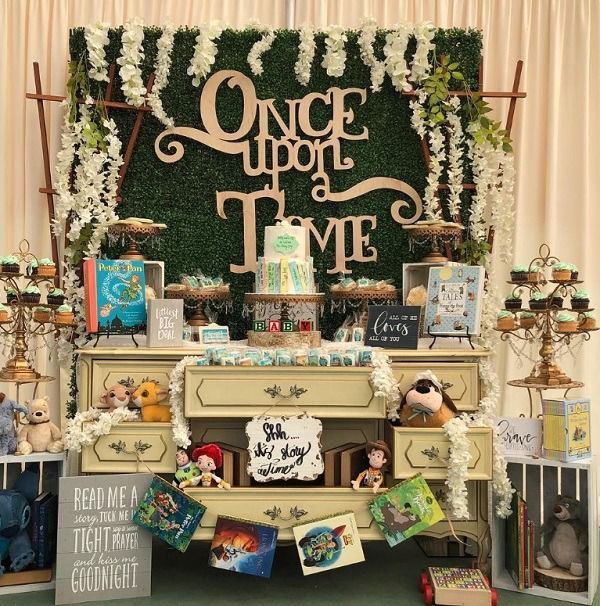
426,404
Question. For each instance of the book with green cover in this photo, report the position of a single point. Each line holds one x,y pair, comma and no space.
405,510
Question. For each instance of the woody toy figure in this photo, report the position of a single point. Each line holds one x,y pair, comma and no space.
208,458
378,453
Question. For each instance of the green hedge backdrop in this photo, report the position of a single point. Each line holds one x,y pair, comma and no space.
182,194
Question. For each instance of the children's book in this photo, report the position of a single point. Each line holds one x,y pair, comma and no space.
516,539
243,546
454,300
169,514
328,543
115,295
405,510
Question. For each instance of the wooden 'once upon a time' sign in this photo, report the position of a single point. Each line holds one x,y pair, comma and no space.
284,448
101,553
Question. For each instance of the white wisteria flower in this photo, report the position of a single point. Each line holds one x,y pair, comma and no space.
259,48
394,50
96,39
132,54
421,66
366,39
334,59
306,54
87,426
179,424
437,157
205,51
458,467
162,68
455,171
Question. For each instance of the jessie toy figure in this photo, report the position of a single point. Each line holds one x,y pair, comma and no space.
187,470
378,453
208,458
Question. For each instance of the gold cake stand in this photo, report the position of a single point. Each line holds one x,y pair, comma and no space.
133,235
436,234
359,299
202,300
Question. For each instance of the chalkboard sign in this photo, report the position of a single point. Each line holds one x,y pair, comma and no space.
165,323
101,553
393,326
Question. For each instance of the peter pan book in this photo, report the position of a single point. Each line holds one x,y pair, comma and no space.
243,546
454,300
115,295
328,543
405,510
169,514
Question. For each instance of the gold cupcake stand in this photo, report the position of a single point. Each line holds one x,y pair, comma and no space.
203,303
359,299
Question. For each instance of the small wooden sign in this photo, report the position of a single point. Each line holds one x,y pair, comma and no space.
393,326
165,323
284,448
101,553
520,435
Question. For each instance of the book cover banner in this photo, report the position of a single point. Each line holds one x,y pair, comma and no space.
454,300
329,543
406,510
169,514
243,546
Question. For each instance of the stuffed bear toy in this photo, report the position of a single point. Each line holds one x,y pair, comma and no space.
426,404
149,397
40,434
15,515
8,432
564,538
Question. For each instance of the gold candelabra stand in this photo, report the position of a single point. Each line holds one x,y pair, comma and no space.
24,322
544,327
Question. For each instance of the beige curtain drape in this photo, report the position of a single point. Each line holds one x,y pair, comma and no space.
555,129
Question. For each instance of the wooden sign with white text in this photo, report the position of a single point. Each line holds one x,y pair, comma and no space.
165,323
284,448
101,553
520,435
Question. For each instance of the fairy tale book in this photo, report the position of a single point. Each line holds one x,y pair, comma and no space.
114,295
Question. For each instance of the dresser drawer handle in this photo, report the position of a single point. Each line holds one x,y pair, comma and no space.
432,453
295,391
295,513
273,391
139,447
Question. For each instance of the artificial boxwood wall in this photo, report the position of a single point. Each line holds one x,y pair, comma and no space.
182,194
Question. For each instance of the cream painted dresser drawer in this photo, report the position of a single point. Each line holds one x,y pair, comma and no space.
284,507
115,452
461,380
223,391
426,451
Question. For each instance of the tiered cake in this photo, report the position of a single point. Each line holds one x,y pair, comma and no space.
285,267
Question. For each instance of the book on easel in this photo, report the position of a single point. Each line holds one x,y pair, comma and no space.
353,461
332,461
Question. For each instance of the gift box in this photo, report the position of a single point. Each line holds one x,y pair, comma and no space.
566,427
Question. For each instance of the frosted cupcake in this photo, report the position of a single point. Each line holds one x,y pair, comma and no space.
31,294
519,273
10,264
4,313
538,301
561,271
11,295
526,319
46,268
580,300
64,314
41,314
574,271
505,321
513,302
566,322
535,274
587,321
56,296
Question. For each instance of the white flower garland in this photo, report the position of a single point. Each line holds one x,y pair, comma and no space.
132,54
384,383
458,466
86,427
437,157
96,38
306,55
366,38
424,33
258,49
162,68
334,59
455,159
205,51
394,51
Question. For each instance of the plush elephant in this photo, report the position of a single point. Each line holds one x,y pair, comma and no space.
8,432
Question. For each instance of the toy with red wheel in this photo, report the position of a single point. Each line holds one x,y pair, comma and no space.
456,587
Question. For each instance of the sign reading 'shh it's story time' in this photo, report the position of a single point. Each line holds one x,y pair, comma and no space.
101,553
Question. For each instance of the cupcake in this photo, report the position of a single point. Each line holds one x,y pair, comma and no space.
41,314
10,264
535,274
556,301
587,321
56,296
561,271
512,302
519,273
64,314
46,268
580,300
31,294
574,271
538,301
32,267
11,295
505,321
527,319
4,313
566,322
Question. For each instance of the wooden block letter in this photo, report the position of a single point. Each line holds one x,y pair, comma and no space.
287,326
274,326
259,326
305,325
